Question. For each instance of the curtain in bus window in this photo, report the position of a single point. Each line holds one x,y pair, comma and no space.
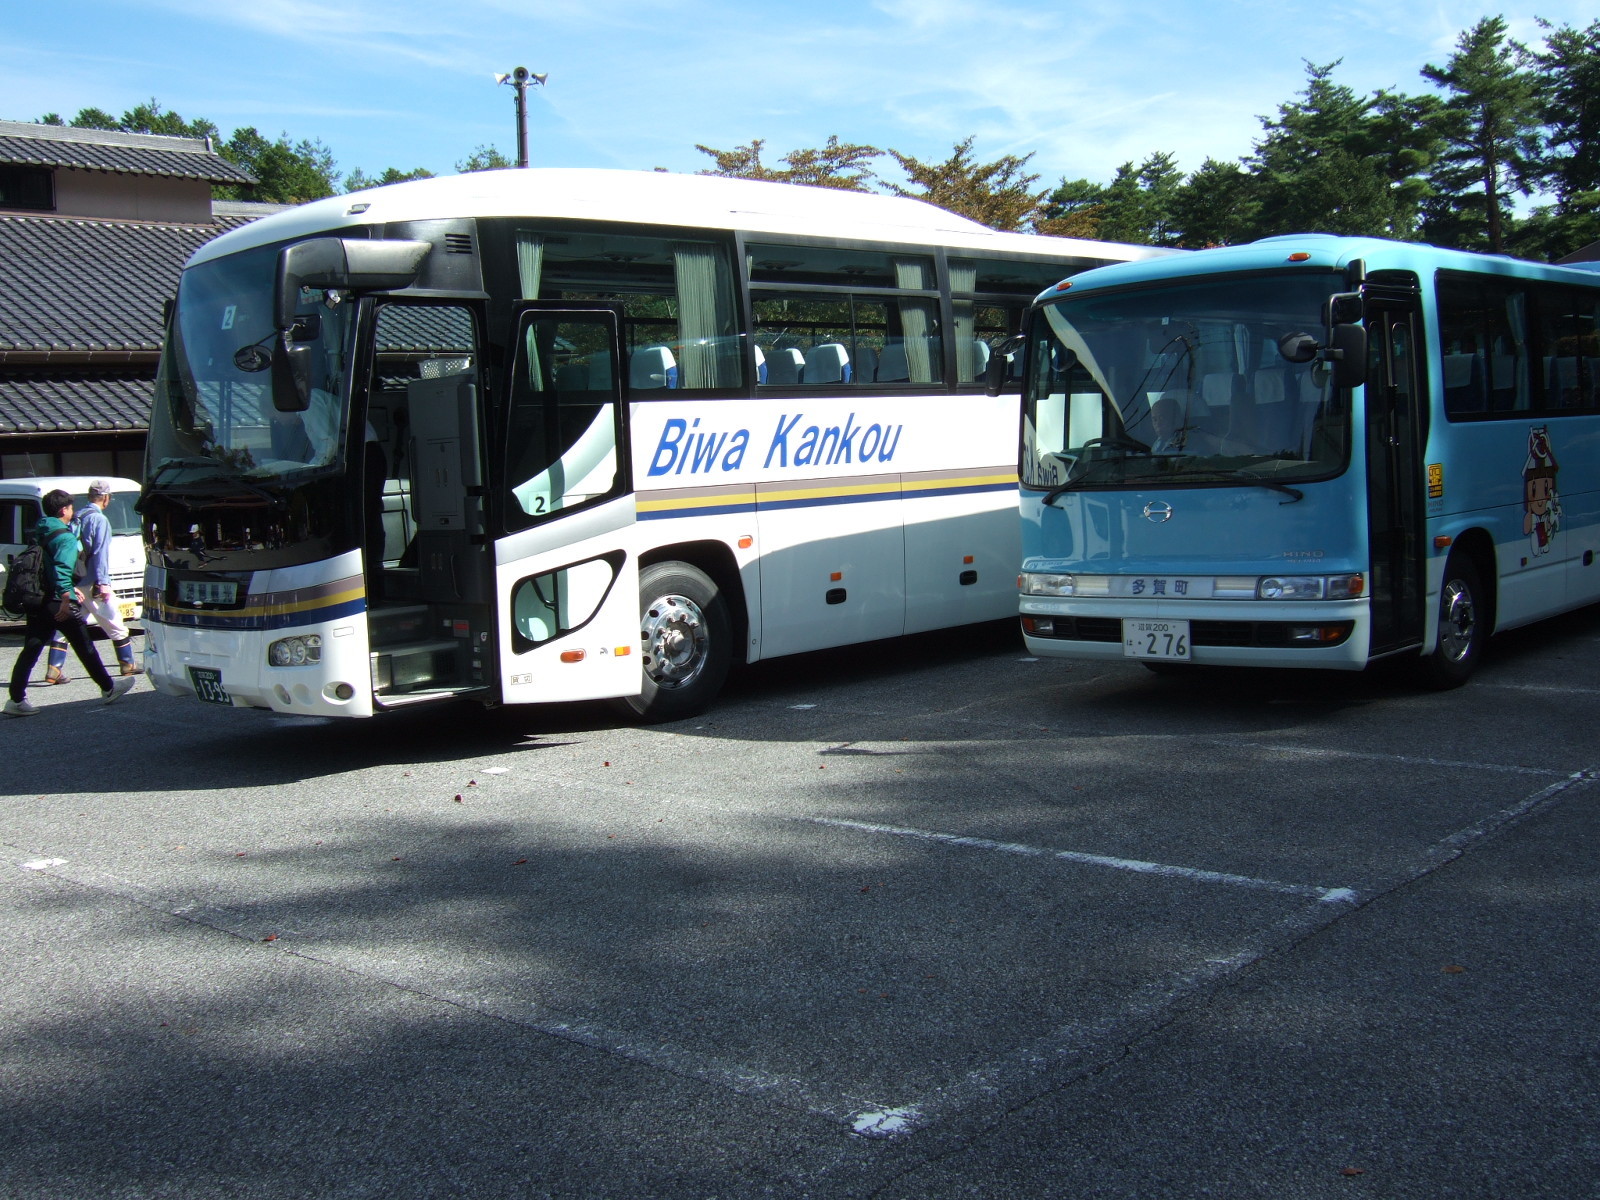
709,354
916,320
964,281
530,262
530,266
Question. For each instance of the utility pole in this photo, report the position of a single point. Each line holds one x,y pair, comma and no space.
520,79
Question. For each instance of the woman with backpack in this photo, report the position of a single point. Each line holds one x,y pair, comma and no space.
58,611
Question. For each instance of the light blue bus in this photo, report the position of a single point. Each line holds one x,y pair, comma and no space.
1309,451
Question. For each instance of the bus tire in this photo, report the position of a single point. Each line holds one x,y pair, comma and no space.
1463,626
686,641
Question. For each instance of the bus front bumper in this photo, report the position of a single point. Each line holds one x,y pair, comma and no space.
1330,635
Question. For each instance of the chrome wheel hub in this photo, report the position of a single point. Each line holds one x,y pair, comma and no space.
674,638
1457,621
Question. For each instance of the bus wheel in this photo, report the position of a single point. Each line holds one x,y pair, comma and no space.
686,637
1463,628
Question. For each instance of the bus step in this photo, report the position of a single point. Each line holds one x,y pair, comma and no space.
415,666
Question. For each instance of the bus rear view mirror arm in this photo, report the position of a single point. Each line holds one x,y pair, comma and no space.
1346,352
356,263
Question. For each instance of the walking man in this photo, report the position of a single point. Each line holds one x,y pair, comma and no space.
94,534
59,613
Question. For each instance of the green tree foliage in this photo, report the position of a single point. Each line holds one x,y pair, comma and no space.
358,179
285,173
1074,209
1216,206
998,194
1570,65
484,158
844,165
1491,128
1336,162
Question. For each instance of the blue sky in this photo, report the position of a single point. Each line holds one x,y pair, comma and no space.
637,83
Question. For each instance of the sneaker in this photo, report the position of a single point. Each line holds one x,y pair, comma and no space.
129,668
118,689
20,708
55,675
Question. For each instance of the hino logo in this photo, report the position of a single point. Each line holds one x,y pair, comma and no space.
1158,511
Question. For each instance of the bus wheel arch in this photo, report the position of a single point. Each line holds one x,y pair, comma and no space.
689,623
1466,613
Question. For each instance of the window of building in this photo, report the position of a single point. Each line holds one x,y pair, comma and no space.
27,187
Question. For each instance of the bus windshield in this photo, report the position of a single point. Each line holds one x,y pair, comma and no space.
1182,384
213,414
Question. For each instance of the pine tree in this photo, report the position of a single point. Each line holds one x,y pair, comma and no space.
1491,128
998,194
1570,66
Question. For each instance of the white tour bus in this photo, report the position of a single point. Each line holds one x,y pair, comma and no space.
551,435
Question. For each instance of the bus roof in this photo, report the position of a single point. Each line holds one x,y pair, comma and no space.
1319,250
657,198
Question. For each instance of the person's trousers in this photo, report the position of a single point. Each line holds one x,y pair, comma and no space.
40,629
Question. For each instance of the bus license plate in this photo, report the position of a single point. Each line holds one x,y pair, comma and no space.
208,685
1156,639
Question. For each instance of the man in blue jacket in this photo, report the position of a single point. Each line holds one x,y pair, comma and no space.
54,532
94,535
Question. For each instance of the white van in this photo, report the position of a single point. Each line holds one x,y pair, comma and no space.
20,510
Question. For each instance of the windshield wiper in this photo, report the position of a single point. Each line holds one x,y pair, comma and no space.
1294,494
173,464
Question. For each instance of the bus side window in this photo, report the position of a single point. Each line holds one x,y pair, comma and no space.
561,435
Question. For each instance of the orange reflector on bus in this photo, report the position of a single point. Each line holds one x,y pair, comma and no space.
1299,256
1442,540
571,656
835,577
1063,285
623,651
966,560
746,542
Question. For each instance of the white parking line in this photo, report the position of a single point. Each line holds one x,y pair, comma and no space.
1409,760
1193,874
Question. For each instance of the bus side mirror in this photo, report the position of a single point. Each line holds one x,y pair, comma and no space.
1347,352
1001,360
994,375
291,374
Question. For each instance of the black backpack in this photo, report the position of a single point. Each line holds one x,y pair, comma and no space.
30,578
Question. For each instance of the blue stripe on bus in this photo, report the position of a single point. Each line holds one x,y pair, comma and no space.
259,622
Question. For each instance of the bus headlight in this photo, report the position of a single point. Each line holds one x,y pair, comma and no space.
304,650
1310,587
1044,583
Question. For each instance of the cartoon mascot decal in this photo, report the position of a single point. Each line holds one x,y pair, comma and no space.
1541,505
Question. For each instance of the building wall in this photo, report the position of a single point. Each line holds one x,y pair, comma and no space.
123,197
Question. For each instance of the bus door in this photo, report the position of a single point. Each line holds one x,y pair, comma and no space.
1396,424
430,600
567,571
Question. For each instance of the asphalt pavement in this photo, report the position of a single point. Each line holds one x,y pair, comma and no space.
922,918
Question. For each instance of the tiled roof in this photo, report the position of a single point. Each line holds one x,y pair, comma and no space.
40,402
77,285
125,153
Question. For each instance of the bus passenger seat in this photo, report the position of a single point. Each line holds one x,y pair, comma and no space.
761,365
785,366
652,367
892,367
1463,383
865,367
827,363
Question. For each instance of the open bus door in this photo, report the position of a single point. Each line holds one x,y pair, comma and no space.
566,573
1396,424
